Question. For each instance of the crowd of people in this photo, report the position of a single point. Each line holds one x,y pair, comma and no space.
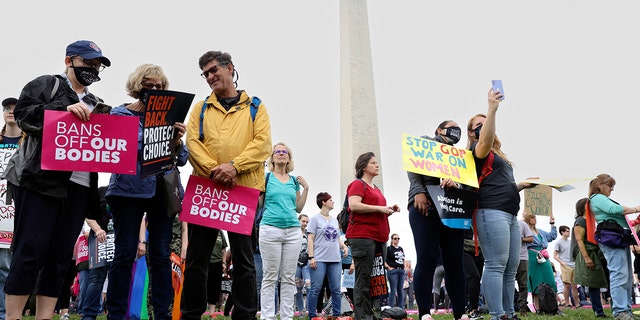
290,261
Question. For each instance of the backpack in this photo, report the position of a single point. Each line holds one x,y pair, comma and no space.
344,216
547,299
255,103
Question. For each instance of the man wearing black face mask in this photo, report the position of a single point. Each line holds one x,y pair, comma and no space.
50,206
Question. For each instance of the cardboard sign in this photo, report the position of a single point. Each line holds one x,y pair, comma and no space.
432,158
163,108
455,206
537,200
559,184
106,143
101,253
7,209
207,204
378,282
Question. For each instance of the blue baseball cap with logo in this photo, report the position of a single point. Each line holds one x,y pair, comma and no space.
87,50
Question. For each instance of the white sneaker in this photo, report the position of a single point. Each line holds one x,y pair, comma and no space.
426,317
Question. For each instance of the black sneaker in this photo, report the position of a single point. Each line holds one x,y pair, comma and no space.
474,315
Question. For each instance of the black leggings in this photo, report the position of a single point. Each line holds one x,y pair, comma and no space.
431,238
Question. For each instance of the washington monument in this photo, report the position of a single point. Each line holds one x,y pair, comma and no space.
358,115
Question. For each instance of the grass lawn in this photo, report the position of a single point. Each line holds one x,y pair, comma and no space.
581,313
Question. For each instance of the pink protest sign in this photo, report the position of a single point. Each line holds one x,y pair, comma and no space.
207,204
106,143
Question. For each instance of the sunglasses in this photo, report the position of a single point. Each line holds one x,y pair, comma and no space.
396,238
280,152
150,86
212,70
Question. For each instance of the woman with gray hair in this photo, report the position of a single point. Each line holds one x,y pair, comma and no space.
129,197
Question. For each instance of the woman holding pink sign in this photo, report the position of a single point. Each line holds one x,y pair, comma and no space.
279,235
53,203
129,197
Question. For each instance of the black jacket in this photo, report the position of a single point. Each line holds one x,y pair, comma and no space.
36,97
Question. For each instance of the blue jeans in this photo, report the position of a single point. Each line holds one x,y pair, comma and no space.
396,281
333,271
620,277
303,279
5,262
257,260
92,298
499,236
83,279
127,216
596,302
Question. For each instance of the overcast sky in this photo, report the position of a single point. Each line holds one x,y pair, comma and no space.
569,68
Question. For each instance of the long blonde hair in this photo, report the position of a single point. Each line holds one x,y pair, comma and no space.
496,147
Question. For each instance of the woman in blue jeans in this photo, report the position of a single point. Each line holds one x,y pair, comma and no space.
129,197
498,205
618,259
431,237
325,255
395,271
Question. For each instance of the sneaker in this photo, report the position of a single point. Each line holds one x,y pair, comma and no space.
64,316
426,317
464,317
624,316
474,315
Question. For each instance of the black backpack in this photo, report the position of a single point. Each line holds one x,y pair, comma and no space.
344,215
547,299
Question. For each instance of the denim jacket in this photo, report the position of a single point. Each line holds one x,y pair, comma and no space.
542,240
127,185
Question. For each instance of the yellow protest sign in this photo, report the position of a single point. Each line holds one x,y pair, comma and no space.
537,200
431,158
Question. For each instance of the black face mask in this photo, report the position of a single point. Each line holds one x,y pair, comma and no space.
86,75
452,135
477,131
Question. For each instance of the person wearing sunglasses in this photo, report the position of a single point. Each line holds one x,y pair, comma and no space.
129,197
279,233
231,156
437,246
52,202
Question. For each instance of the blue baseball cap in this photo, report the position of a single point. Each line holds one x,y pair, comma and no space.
87,50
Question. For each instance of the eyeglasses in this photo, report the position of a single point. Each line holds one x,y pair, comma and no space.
395,238
7,109
212,70
281,152
87,63
149,85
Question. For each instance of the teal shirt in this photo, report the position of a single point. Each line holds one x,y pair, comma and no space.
604,208
280,203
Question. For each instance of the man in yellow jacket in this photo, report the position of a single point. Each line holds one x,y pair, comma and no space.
229,140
